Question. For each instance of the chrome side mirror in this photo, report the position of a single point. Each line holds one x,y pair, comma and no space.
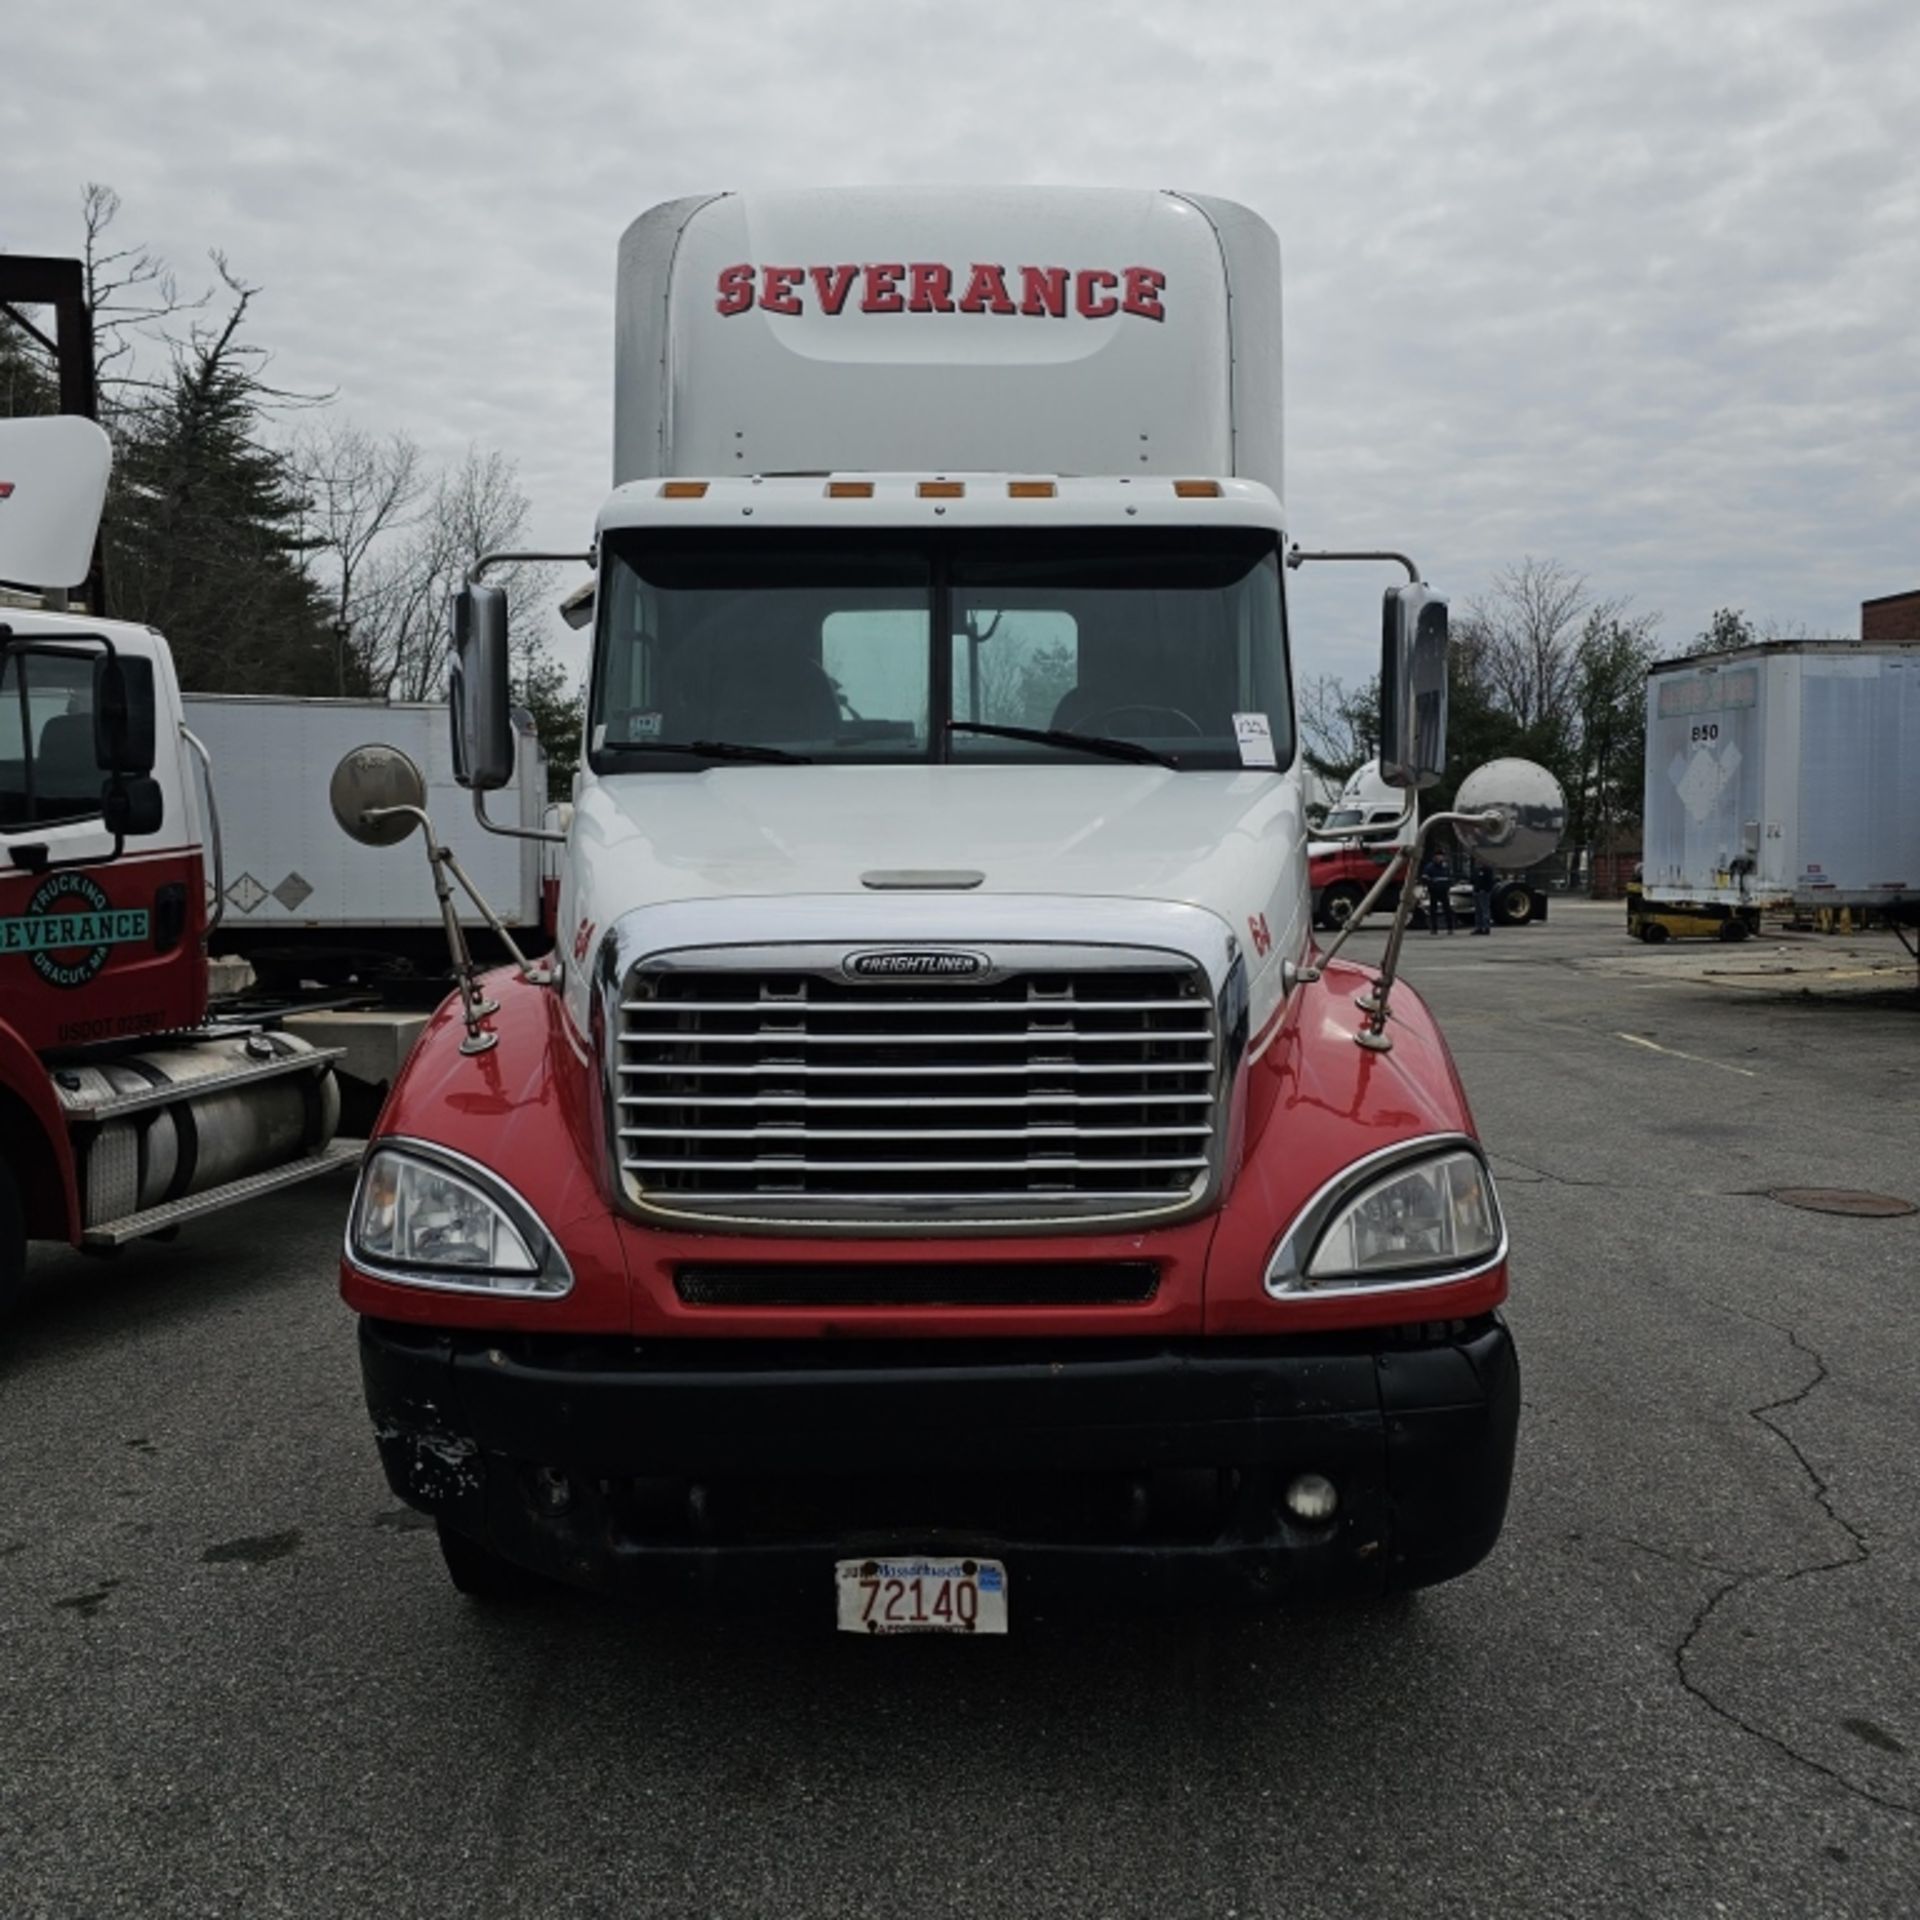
1413,687
378,796
1531,810
479,707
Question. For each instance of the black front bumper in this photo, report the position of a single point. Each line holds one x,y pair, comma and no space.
616,1464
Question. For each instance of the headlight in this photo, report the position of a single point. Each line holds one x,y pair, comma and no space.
1425,1218
431,1218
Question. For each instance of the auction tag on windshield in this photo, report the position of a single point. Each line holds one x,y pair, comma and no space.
921,1596
1255,735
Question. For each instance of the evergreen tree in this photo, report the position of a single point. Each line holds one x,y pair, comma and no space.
202,529
557,702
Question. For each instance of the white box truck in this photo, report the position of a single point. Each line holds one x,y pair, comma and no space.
297,898
1785,775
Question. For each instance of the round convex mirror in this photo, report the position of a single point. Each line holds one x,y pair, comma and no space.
369,779
1532,810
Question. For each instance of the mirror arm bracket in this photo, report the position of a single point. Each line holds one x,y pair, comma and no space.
512,833
1297,556
1373,1032
508,558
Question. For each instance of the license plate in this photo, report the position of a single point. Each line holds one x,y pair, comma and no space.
921,1596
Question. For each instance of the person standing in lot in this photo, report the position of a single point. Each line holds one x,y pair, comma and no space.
1438,882
1482,898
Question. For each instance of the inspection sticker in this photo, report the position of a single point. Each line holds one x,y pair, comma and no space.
1255,734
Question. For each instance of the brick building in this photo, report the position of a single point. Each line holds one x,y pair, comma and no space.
1894,616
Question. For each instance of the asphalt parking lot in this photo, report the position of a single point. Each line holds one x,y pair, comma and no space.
233,1679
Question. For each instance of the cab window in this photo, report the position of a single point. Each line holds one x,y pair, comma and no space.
47,770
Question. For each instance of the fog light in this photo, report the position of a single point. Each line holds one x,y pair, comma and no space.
1311,1496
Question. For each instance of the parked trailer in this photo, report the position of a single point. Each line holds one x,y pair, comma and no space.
1785,775
297,897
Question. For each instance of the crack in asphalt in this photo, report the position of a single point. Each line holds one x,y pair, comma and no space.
1859,1552
1674,1559
1546,1176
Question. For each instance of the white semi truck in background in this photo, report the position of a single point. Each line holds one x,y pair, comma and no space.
937,1160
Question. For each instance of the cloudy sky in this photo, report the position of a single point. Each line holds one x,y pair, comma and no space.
1633,286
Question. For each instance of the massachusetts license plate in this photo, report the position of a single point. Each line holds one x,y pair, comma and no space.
921,1596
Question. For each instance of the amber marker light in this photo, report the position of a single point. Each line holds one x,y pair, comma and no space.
849,489
1196,489
683,490
942,490
1031,489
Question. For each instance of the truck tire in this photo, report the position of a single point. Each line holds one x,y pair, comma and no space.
1513,905
481,1574
1652,932
1337,902
1733,930
13,1241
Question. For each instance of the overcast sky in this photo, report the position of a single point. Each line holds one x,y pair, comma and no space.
1633,286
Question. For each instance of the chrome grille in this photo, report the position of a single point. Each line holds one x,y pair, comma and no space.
1074,1092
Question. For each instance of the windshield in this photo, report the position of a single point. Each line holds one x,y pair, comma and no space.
885,647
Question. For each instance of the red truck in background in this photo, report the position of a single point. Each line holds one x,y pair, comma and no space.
1375,823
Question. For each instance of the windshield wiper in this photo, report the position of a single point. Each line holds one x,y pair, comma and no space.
711,750
1064,737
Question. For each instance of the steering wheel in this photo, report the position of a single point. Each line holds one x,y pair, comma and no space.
1094,722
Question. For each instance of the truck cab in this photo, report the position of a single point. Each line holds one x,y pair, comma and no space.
123,1112
936,1142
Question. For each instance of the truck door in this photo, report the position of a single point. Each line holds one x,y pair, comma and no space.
91,947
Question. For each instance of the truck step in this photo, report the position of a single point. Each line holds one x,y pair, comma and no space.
136,1226
80,1107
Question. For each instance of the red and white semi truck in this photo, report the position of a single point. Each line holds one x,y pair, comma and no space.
1368,828
937,1160
123,1110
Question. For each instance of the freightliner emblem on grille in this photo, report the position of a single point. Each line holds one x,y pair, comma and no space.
917,963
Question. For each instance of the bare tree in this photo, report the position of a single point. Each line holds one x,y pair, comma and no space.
1339,725
131,291
401,634
1525,635
360,492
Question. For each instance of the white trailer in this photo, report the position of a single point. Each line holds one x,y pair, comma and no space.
292,884
1785,775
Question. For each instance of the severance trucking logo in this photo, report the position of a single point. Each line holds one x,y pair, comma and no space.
69,947
1046,293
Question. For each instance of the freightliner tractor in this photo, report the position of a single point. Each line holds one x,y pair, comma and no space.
124,1111
937,1161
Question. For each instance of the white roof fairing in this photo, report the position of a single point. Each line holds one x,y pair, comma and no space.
1012,330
